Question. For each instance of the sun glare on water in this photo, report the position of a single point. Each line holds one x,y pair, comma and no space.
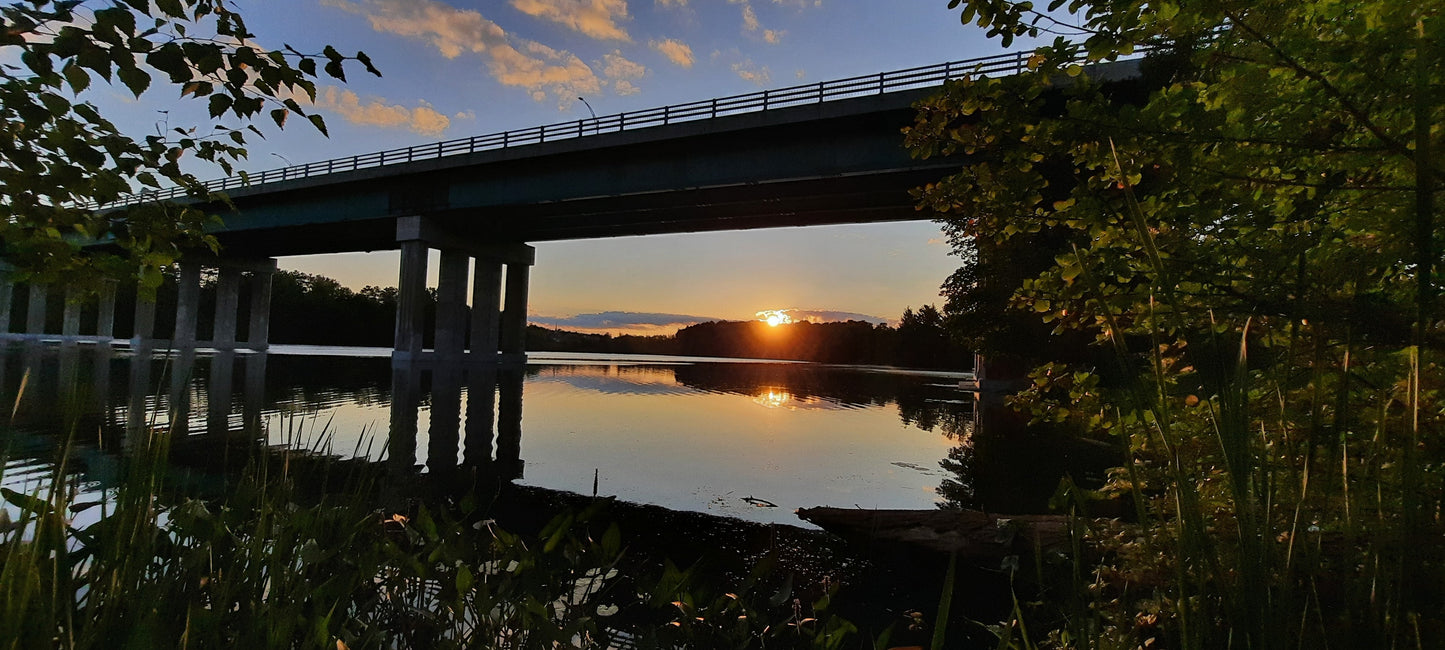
774,317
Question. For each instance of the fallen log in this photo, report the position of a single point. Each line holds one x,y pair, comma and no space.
982,537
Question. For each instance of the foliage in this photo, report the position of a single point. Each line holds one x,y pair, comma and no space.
1247,225
61,159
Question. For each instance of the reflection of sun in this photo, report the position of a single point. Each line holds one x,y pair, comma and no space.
774,317
773,398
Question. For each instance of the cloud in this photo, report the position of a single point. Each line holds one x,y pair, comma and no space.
676,51
750,18
647,323
773,36
595,18
826,316
378,112
750,72
672,3
540,70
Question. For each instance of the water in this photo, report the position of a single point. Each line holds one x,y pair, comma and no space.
745,439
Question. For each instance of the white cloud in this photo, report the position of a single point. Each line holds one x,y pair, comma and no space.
540,70
595,18
672,3
676,51
423,119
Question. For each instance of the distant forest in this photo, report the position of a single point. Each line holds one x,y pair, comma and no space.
317,310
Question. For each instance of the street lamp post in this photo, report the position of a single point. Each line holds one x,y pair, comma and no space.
596,126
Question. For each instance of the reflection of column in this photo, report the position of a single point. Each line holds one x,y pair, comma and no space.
481,414
35,313
401,441
446,420
218,393
105,311
254,400
486,309
137,418
7,294
410,298
451,305
70,321
188,304
259,334
100,379
182,365
514,317
228,298
67,380
509,423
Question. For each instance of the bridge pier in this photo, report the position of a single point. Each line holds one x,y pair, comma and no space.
230,275
497,335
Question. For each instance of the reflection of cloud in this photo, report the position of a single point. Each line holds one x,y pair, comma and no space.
539,69
377,112
595,18
621,322
676,51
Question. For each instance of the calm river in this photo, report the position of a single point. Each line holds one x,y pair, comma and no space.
745,439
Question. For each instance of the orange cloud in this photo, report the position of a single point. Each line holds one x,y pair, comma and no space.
750,72
595,18
676,51
540,70
377,112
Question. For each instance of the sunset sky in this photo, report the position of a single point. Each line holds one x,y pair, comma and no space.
460,68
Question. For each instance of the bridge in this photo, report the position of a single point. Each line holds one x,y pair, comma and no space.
823,153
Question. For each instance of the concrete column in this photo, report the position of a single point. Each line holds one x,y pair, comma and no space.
260,329
7,294
514,317
105,311
486,308
188,305
70,323
410,299
145,321
228,299
451,305
35,314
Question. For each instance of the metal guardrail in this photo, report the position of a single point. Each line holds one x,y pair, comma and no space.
875,84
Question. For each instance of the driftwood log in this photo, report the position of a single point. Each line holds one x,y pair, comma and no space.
977,536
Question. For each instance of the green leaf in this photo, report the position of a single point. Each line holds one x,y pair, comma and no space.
279,117
219,104
319,123
136,79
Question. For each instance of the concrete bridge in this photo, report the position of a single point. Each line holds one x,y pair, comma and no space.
824,153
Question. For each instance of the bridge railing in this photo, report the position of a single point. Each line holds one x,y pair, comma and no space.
816,93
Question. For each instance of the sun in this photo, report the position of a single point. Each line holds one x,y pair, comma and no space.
774,317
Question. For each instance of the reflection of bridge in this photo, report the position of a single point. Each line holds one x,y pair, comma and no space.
823,153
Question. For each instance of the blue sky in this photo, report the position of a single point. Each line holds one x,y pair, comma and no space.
459,68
